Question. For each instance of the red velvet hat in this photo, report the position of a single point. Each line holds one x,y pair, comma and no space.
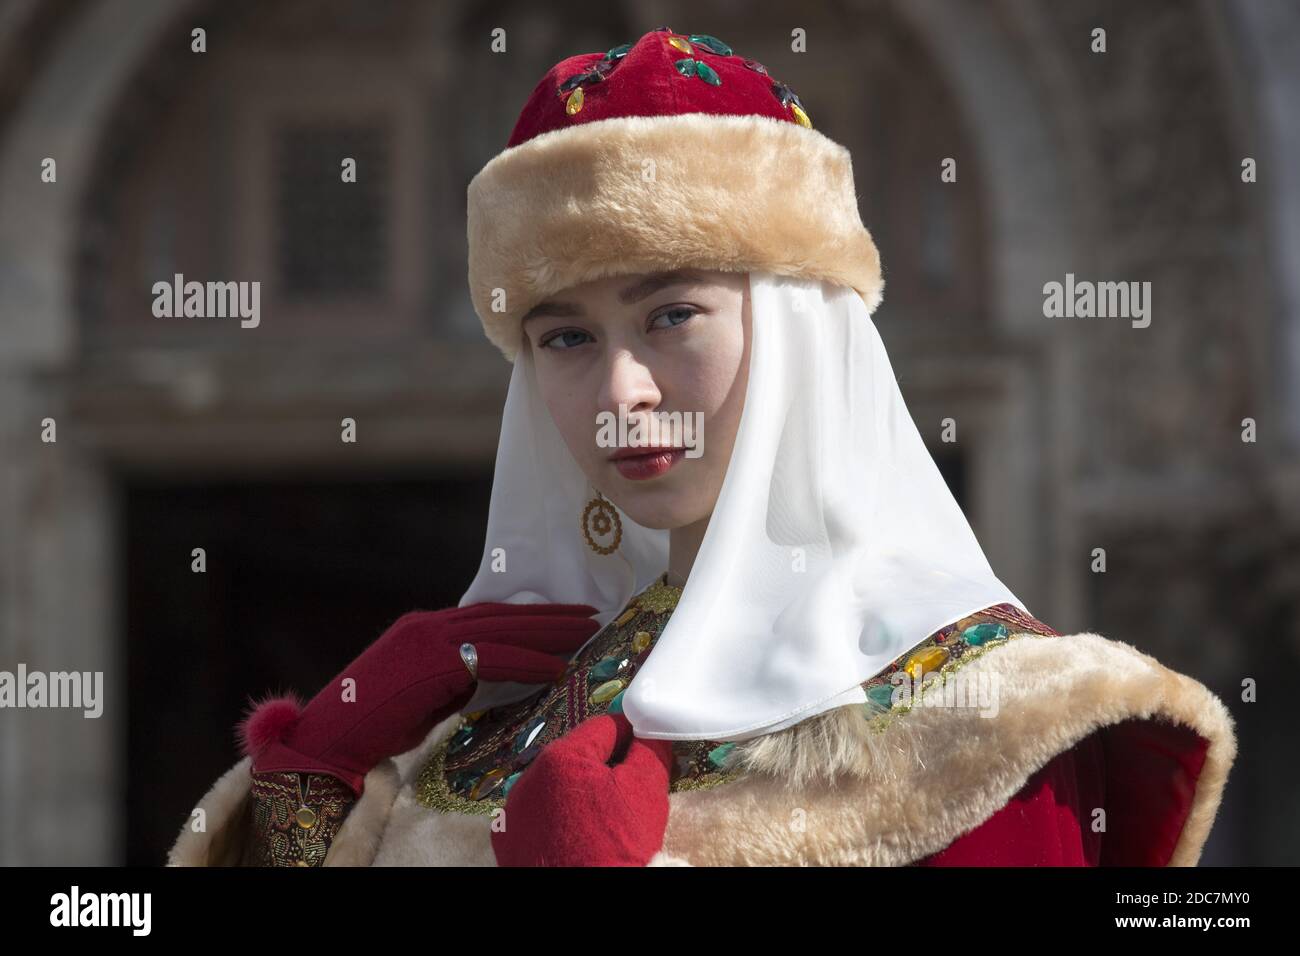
666,153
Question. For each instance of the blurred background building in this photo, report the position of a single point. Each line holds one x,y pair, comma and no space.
175,434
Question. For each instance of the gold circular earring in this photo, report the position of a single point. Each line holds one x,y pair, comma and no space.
600,516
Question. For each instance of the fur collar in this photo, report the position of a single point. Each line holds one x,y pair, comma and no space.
837,789
841,789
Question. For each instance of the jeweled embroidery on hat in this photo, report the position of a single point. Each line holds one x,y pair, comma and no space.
711,43
598,72
790,100
688,66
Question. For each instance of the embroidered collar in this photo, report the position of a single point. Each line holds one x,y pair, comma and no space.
473,769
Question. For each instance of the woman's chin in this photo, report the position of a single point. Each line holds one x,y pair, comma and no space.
660,508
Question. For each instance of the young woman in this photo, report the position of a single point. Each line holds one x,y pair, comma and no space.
769,638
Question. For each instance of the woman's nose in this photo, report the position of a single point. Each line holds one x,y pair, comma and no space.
628,381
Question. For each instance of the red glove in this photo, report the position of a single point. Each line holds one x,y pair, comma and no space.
408,681
572,807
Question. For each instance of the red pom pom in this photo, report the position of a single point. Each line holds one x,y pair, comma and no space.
267,722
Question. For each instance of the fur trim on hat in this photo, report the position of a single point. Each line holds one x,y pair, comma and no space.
638,194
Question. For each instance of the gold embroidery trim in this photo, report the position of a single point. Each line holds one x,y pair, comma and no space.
933,681
434,791
660,597
431,789
295,817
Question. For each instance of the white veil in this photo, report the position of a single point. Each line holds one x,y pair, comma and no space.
835,544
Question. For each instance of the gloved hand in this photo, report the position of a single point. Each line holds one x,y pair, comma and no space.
408,681
598,796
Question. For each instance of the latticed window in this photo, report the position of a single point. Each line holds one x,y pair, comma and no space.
331,236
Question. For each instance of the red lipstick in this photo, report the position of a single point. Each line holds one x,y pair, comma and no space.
646,461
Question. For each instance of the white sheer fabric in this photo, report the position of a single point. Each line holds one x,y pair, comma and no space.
835,544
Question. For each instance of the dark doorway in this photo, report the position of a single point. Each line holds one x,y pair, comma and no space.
301,576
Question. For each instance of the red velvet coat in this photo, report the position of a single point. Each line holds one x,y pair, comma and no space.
1047,822
1096,755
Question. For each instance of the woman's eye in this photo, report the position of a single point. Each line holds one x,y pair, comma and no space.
684,311
563,340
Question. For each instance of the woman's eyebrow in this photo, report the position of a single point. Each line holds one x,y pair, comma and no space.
561,310
653,283
635,292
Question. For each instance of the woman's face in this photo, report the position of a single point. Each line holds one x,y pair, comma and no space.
657,343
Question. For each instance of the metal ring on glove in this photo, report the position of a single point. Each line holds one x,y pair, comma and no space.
470,656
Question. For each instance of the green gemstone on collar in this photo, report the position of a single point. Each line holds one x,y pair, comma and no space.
510,782
618,52
718,755
881,696
616,705
685,66
460,738
978,634
608,669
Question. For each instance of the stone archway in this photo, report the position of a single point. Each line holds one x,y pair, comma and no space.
1033,230
57,567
